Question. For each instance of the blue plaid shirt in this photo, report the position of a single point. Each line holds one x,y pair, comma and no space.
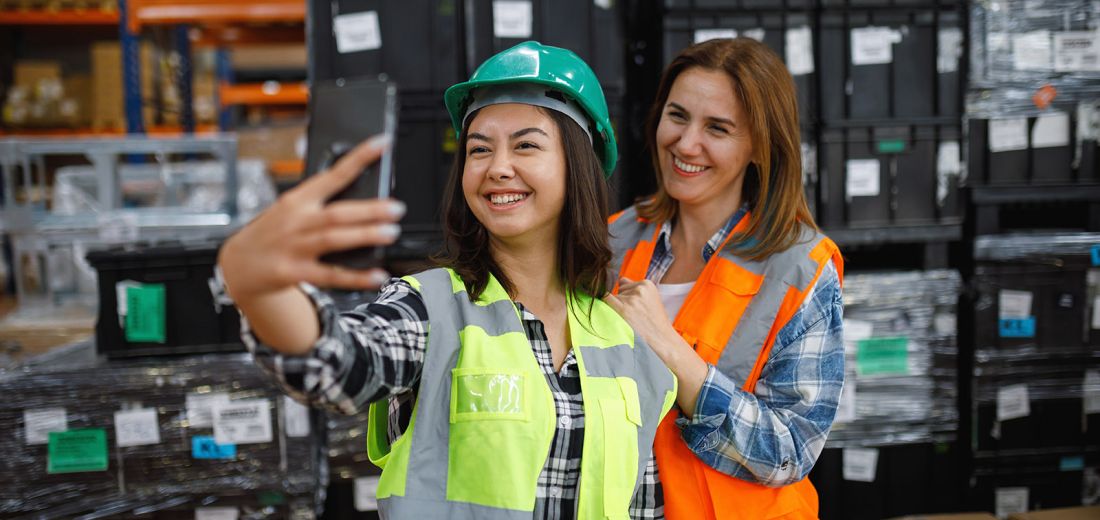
774,435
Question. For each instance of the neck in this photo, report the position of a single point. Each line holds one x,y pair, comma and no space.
696,224
535,282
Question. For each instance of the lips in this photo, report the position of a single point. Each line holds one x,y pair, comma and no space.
686,168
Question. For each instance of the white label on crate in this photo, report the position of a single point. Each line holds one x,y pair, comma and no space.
863,178
604,4
512,19
1006,135
1032,51
39,422
1013,402
846,409
1076,51
855,330
366,494
296,416
950,42
357,32
1051,129
121,308
860,464
247,421
800,50
117,228
1088,120
200,408
702,35
1096,312
1013,304
948,165
997,42
755,34
945,324
873,45
216,513
1092,391
1010,500
136,427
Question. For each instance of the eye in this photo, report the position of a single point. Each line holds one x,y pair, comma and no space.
719,129
474,150
677,115
528,145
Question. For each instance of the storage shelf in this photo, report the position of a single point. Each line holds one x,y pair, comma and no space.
165,12
982,195
165,130
897,234
59,17
267,93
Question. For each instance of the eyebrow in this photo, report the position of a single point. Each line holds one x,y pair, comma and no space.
515,135
710,118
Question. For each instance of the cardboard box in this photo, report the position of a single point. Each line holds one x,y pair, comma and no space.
31,74
1067,513
107,89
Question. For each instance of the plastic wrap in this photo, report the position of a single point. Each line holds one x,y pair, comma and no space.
347,446
290,463
900,358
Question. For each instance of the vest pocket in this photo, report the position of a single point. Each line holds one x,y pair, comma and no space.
484,394
730,288
620,419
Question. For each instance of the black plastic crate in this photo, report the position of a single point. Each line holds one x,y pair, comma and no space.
684,5
1028,150
1059,305
420,45
425,148
593,30
904,64
192,321
1051,481
1052,423
774,28
874,176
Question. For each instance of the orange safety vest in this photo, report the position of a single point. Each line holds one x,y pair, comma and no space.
756,299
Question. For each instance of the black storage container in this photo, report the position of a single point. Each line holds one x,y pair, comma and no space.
191,321
426,144
775,28
1051,481
420,45
593,30
872,176
886,64
1027,150
684,5
1059,309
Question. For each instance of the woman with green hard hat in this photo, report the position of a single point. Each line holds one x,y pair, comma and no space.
500,385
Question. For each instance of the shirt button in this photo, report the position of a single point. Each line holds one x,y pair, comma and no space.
565,421
555,492
785,465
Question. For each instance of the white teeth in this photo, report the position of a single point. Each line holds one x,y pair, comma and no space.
506,198
690,168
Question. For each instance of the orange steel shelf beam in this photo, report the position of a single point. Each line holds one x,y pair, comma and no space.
217,35
102,132
59,17
268,93
150,12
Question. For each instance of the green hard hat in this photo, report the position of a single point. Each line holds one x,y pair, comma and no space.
559,69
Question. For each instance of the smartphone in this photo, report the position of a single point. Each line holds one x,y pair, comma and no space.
342,113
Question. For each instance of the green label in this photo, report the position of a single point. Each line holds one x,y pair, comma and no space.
879,356
891,146
145,313
76,451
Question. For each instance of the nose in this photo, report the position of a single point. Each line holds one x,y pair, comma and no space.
690,142
500,168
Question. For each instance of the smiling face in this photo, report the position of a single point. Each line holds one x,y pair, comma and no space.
514,174
704,142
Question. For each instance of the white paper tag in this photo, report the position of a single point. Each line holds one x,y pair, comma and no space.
1014,304
997,42
873,45
1013,402
216,513
950,42
1096,312
1051,129
948,164
39,422
860,464
1088,120
121,305
604,4
855,330
945,324
199,407
247,421
863,178
1076,51
1032,51
846,409
800,50
755,34
1092,391
702,35
366,493
296,416
118,228
1006,135
512,18
1010,500
357,32
136,427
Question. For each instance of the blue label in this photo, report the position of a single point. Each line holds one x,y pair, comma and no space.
1075,463
1018,327
1095,255
204,447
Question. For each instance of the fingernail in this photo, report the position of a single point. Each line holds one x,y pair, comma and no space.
380,141
389,230
378,277
397,209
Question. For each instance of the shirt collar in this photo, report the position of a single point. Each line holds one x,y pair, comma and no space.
664,241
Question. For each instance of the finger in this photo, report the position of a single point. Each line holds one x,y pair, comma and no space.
626,284
335,276
351,212
341,238
614,302
329,182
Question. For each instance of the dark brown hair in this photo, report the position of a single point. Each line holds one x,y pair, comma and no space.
583,250
767,93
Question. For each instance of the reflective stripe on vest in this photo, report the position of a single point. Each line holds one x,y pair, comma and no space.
483,422
756,298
